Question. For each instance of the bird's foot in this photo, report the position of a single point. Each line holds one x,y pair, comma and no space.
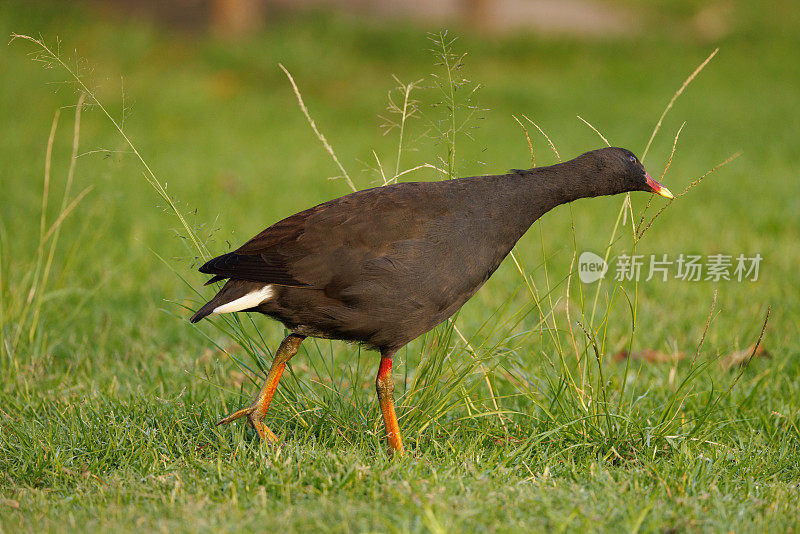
256,420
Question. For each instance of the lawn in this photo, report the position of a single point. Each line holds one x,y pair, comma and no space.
109,397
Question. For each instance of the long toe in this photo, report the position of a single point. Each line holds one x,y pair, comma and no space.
255,420
237,415
263,430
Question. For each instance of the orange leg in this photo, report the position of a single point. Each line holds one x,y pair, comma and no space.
385,387
258,409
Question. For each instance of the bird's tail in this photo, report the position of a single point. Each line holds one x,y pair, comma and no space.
236,295
207,309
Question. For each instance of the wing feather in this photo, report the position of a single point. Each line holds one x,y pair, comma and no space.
326,246
266,267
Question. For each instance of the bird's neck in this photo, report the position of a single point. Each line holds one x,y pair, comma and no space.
547,187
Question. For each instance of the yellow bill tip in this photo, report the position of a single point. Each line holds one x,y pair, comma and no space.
657,188
666,193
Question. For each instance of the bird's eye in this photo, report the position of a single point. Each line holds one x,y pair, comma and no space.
633,159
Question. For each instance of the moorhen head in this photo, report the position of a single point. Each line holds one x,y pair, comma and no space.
383,266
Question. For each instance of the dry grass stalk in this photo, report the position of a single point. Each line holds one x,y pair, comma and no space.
595,130
552,146
742,357
686,190
678,93
661,179
319,135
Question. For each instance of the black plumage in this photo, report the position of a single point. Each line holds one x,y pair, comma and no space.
385,265
382,266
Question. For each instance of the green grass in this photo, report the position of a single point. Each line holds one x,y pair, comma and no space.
109,398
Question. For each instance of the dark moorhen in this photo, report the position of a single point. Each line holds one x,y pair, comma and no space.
385,265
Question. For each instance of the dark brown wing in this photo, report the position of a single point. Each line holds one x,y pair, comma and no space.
260,259
285,231
269,268
325,245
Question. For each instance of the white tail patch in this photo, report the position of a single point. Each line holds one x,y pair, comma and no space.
250,300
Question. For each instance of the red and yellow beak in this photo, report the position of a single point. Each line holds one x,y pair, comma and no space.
658,188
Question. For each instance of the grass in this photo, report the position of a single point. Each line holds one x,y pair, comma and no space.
108,409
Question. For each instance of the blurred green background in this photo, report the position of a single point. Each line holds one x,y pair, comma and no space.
216,119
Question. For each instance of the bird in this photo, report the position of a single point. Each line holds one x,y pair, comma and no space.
382,266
